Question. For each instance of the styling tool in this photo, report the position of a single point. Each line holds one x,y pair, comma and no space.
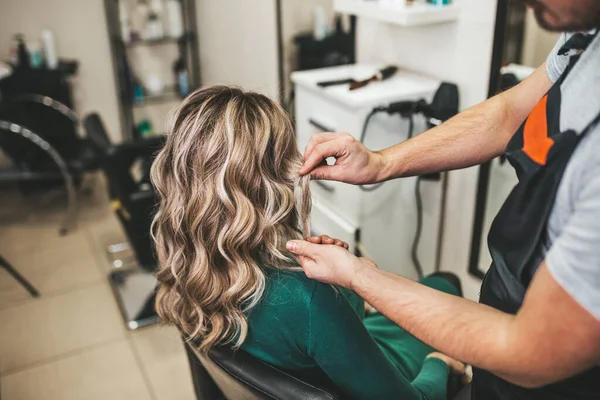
381,75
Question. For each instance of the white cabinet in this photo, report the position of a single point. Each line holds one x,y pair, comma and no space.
382,222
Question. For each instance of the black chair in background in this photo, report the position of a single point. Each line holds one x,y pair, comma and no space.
26,148
126,167
40,135
41,101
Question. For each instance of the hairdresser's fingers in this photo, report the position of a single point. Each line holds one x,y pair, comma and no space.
341,243
327,240
314,239
318,139
328,172
332,148
304,248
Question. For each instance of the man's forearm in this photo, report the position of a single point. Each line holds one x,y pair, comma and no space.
473,333
551,338
470,138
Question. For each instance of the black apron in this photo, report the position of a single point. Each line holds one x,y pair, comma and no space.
539,152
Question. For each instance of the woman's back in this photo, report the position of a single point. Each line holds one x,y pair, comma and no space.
318,333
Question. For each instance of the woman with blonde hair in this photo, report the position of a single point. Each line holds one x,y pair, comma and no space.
230,197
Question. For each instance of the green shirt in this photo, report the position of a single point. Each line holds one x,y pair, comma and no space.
308,327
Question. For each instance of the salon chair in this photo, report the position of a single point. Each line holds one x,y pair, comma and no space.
41,101
223,374
35,161
133,199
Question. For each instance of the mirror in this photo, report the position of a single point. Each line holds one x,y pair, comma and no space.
520,45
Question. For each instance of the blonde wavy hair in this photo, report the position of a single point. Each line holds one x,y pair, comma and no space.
230,197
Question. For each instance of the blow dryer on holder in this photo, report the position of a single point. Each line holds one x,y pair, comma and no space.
443,107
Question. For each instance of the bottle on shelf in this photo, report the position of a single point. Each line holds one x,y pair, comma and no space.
50,49
140,19
139,94
181,76
23,60
14,52
174,19
321,23
154,27
125,22
36,55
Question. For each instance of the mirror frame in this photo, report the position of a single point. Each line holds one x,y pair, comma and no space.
483,179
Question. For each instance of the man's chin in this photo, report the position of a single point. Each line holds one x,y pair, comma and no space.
553,25
548,23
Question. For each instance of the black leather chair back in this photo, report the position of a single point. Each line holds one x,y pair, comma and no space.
55,128
240,376
96,133
229,375
134,198
22,152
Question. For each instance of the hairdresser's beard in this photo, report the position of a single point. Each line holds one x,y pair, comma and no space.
578,16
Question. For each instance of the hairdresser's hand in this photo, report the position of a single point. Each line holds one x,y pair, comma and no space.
354,163
324,239
456,367
329,263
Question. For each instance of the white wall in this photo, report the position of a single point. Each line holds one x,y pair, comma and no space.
238,44
458,52
297,17
81,34
537,42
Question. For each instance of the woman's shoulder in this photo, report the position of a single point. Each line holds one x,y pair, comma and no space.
289,286
295,288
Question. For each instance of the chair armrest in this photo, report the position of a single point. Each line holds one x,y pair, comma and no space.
129,151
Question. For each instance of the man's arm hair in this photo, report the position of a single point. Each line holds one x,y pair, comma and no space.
474,136
551,338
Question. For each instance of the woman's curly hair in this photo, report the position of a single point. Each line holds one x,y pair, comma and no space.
230,197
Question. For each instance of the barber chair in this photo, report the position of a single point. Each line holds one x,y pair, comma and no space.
228,375
133,200
26,149
41,101
40,135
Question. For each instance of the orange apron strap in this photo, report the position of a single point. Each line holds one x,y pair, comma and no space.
536,143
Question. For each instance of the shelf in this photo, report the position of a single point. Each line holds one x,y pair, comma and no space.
414,15
155,42
169,95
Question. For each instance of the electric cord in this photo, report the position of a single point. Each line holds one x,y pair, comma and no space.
414,253
418,197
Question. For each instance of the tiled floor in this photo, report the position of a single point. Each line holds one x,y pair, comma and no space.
71,343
